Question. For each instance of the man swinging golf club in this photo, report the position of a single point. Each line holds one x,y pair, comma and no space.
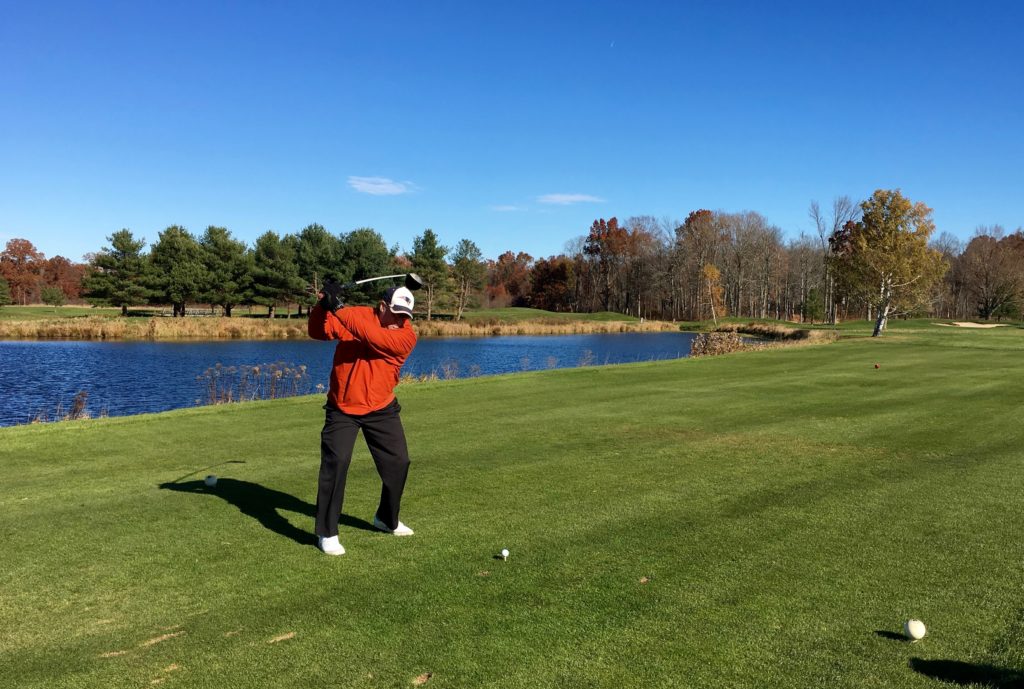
373,343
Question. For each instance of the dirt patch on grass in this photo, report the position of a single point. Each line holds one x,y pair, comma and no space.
282,637
112,654
160,639
420,680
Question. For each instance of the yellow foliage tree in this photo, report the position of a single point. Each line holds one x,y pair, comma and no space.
716,295
884,258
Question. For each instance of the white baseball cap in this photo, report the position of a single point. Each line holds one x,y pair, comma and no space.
399,300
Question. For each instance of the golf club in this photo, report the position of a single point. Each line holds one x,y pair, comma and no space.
412,281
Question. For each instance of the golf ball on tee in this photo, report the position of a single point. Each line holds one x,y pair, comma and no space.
914,629
504,553
211,480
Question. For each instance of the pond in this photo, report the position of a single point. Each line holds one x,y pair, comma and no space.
124,378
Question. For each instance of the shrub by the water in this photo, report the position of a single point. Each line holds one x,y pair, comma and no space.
712,344
772,331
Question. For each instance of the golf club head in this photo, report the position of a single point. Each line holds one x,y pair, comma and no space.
413,281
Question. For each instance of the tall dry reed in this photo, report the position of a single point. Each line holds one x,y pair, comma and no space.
79,410
538,327
221,328
98,328
225,384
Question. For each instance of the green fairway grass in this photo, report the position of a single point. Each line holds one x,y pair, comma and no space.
36,313
762,519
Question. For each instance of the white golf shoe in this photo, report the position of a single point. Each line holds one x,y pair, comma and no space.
402,529
331,546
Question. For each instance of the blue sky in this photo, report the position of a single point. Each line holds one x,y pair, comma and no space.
511,124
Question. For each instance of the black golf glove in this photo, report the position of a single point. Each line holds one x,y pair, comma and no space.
332,299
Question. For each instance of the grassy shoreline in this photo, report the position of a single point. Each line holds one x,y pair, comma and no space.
220,328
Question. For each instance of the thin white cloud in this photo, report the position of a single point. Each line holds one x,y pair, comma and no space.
507,209
380,186
568,199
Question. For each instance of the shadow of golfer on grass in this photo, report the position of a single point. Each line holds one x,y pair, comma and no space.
264,505
975,674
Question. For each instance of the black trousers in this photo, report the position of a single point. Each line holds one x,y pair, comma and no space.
385,437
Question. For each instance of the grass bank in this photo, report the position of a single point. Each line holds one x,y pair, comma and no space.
153,328
543,326
752,520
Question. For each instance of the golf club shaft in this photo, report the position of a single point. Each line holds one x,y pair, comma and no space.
382,277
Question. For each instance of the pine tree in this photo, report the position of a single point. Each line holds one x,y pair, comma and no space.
366,255
428,261
275,276
118,273
468,272
53,296
179,274
229,265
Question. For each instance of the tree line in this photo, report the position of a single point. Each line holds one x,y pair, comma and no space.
217,269
875,259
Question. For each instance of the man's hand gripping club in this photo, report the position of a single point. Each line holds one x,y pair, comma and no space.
331,295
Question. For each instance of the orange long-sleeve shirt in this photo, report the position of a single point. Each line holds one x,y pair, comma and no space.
368,357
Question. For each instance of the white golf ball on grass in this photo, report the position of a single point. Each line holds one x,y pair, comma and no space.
914,629
211,480
504,553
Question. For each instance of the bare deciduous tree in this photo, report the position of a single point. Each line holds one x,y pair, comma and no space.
844,210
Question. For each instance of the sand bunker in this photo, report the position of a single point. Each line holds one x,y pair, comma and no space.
975,325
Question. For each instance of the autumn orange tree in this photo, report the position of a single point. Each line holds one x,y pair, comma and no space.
551,284
508,279
605,245
66,276
22,266
885,259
